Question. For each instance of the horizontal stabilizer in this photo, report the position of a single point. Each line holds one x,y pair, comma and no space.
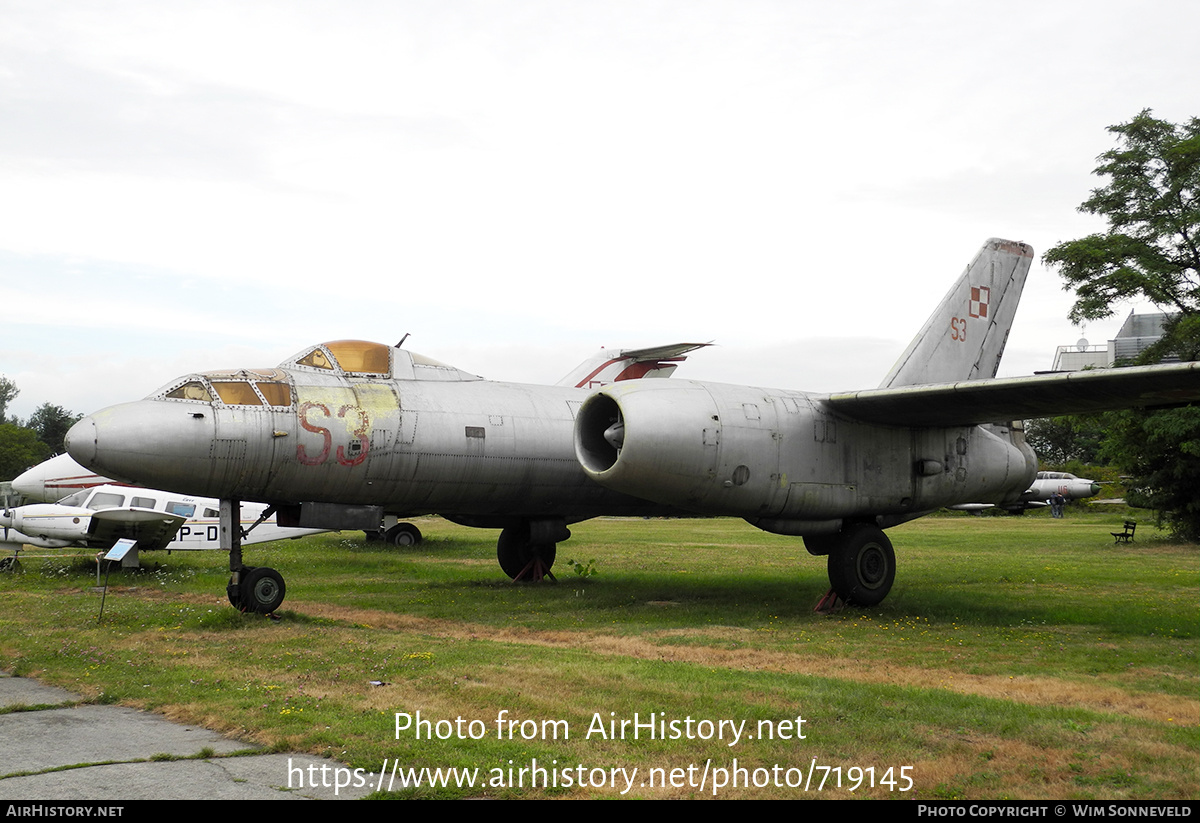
1017,398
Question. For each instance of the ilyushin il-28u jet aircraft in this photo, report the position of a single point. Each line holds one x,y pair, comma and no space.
346,431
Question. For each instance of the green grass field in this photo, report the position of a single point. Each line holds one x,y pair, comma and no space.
1016,657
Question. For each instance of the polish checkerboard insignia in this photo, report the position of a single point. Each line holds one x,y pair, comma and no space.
979,301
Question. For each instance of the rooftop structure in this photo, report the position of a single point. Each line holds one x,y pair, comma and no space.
1137,333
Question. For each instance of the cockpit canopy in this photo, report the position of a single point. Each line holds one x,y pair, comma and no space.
357,359
264,387
361,358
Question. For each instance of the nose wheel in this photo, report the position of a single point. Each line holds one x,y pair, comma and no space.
260,590
257,589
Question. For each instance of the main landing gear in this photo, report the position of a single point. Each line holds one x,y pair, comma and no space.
526,550
862,563
256,589
402,534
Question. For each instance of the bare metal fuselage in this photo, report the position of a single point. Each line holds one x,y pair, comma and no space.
484,449
785,461
474,448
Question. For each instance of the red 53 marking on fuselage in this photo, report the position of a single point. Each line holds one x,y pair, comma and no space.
360,434
301,452
364,445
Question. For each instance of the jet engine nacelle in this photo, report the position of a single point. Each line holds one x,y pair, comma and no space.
652,445
712,448
783,460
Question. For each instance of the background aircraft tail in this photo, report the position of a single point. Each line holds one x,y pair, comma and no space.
964,338
628,364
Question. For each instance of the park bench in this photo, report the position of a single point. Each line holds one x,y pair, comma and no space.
1125,536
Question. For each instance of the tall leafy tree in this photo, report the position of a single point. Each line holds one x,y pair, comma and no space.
1151,251
8,391
19,449
1162,451
1058,440
52,424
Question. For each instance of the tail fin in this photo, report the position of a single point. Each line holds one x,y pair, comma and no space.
54,479
628,364
964,338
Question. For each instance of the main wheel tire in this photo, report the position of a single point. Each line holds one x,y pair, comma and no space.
404,534
262,590
234,592
515,551
862,566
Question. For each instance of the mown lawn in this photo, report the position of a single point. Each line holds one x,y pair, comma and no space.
1017,657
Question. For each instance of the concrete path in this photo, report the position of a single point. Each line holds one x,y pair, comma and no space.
49,748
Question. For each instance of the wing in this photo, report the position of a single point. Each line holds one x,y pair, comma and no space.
151,529
1017,398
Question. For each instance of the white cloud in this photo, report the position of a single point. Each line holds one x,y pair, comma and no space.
188,182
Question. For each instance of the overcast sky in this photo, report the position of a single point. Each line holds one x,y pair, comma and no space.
198,185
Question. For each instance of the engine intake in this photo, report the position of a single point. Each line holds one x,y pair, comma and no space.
660,445
597,442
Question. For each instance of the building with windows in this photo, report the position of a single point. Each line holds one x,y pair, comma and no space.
1137,333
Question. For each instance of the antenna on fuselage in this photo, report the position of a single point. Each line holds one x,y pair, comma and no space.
402,339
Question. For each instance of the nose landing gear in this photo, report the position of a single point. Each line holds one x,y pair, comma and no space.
257,589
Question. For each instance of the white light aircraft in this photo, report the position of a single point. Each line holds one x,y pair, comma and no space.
96,517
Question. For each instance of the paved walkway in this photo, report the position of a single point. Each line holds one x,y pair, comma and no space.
48,752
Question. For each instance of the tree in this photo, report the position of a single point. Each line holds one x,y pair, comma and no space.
52,424
1058,440
1150,251
1162,450
19,449
1152,247
8,390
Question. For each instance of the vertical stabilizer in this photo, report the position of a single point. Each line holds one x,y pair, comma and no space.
965,337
